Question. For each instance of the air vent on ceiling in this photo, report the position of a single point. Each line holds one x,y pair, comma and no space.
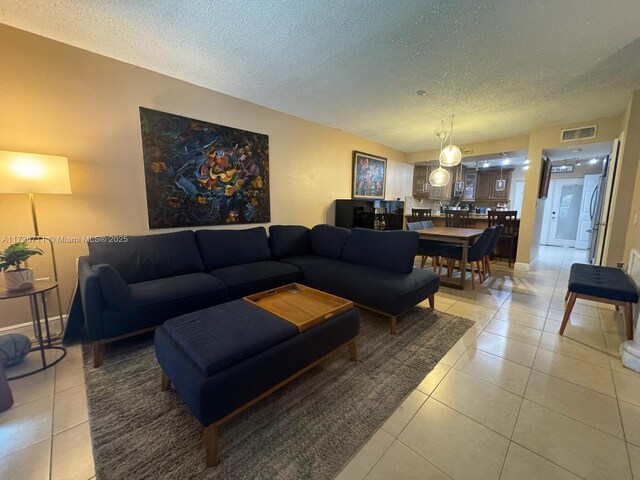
580,133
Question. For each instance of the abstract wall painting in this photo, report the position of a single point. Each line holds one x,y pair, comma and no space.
369,172
199,173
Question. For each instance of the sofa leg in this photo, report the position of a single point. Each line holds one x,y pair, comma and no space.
165,383
567,312
628,318
353,350
432,301
98,354
211,445
394,325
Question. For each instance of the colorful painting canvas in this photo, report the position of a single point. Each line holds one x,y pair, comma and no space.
369,173
199,173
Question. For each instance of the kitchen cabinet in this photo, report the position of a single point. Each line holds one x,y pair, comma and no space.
486,185
470,180
421,187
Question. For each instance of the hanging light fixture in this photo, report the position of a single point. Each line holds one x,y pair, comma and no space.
458,187
450,156
501,183
440,177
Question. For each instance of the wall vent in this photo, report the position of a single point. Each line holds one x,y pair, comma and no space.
580,133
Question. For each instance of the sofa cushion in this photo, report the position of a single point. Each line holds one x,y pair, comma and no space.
218,337
384,290
115,290
148,257
310,262
224,248
289,240
243,280
328,240
393,250
153,302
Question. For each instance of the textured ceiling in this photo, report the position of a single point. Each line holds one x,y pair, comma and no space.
503,67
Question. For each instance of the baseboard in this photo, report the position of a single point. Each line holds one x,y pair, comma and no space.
521,267
27,328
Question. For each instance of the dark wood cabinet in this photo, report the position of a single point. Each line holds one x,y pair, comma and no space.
421,187
486,185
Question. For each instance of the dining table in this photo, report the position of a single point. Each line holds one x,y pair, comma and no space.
458,236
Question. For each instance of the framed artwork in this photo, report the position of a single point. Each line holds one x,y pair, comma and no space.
369,175
199,173
545,178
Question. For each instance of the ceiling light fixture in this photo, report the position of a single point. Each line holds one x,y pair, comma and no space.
450,156
526,161
421,93
526,167
486,164
501,183
593,161
578,164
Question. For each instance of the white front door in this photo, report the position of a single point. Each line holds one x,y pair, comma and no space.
565,211
589,197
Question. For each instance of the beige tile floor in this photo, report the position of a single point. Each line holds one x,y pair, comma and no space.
511,400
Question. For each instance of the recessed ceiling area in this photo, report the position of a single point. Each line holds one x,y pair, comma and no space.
583,152
502,68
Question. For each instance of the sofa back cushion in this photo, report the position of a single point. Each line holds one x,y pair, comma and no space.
328,240
289,240
225,248
148,257
393,250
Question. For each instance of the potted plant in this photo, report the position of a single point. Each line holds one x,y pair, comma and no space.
11,260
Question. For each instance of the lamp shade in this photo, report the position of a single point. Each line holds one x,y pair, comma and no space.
33,173
439,177
450,156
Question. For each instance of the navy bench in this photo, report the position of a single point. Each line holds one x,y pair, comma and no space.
223,359
601,284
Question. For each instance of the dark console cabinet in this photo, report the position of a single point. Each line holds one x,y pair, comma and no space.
373,214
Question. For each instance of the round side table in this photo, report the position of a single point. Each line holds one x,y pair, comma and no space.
40,318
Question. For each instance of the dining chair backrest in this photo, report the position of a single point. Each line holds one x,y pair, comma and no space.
421,214
457,218
426,224
411,226
494,241
507,218
482,244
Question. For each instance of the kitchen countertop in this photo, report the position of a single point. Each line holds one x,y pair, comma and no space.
472,215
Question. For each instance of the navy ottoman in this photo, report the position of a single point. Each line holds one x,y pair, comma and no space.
223,359
601,284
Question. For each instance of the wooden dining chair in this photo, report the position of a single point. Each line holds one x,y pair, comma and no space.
420,214
509,220
457,219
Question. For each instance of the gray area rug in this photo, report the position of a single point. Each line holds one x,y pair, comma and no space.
307,430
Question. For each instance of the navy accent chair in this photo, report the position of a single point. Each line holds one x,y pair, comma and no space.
475,254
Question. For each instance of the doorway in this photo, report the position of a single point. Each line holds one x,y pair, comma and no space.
562,212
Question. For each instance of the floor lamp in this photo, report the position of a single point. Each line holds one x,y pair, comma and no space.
32,173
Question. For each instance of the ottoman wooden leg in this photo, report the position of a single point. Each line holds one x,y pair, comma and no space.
98,354
432,301
628,318
567,296
353,350
211,445
393,325
567,312
165,383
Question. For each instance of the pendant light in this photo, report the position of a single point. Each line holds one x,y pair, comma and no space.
440,177
458,187
501,183
450,156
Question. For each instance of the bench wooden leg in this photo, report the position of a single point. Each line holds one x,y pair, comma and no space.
353,350
432,301
165,383
567,311
98,354
393,325
211,445
566,297
628,318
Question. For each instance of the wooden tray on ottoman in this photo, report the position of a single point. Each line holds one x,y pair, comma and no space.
303,306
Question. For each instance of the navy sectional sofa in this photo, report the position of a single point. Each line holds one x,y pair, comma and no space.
131,287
